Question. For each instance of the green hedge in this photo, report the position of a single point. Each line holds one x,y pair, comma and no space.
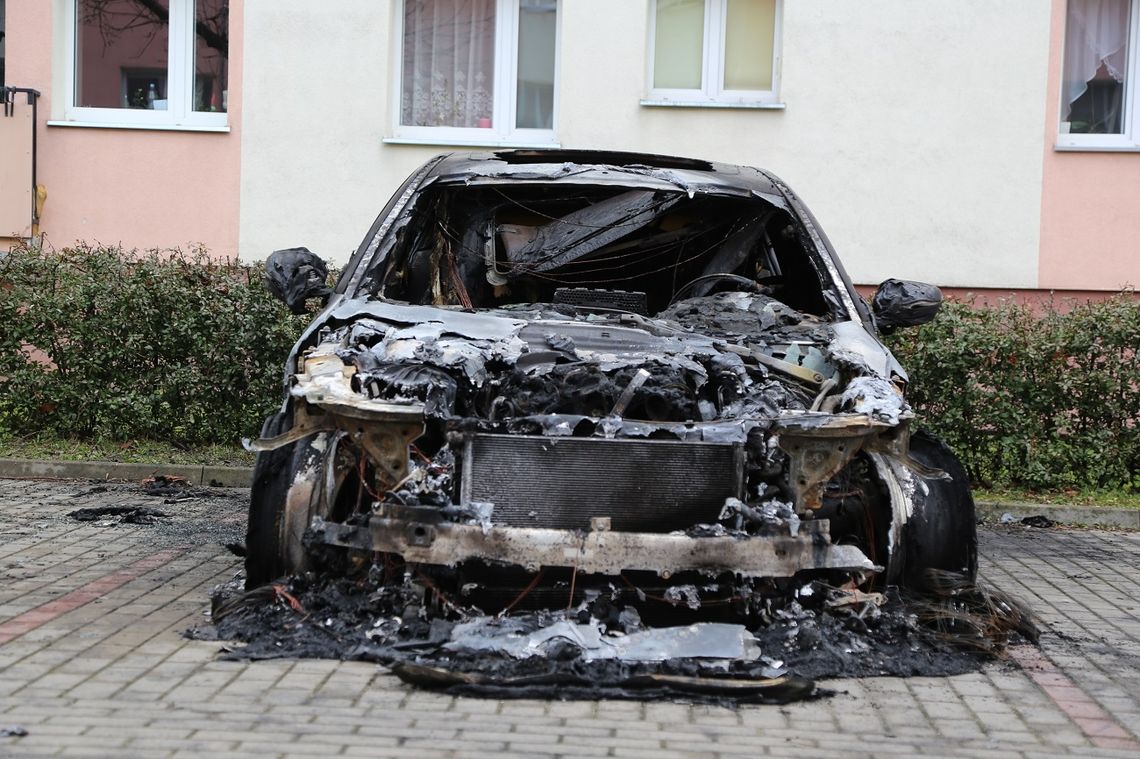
1039,399
102,344
184,349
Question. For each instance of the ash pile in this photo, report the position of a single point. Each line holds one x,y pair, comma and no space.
620,641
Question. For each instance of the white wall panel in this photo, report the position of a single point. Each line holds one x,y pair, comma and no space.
912,129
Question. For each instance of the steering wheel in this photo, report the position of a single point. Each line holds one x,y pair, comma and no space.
744,282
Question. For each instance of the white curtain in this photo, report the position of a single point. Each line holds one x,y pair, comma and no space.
1096,33
449,63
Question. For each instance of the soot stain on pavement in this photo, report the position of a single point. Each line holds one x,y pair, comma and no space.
603,649
170,509
124,514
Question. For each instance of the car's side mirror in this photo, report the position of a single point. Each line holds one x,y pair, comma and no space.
294,275
902,303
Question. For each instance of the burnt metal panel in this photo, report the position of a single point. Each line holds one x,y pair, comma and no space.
564,482
599,552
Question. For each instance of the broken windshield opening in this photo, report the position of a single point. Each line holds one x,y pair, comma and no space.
633,249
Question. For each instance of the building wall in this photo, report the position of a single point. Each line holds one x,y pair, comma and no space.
314,171
141,188
913,130
1090,202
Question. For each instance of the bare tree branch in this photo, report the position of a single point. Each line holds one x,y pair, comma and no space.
113,19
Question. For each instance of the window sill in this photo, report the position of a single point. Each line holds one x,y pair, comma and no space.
1097,148
460,143
712,104
145,127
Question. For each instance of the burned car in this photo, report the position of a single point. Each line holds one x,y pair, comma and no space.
548,372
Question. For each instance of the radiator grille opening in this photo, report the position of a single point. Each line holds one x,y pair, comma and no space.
641,485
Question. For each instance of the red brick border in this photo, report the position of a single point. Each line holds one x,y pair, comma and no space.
85,594
1087,714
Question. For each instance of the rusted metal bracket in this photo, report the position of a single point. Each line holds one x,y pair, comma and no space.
387,446
818,446
385,442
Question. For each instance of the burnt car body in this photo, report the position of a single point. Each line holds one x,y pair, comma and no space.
545,372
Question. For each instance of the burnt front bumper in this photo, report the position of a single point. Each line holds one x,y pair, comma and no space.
598,550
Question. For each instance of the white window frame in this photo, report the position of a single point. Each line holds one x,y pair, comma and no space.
712,92
1129,139
503,132
179,113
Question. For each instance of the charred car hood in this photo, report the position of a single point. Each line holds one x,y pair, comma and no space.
706,368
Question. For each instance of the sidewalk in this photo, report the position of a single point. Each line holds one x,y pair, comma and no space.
93,663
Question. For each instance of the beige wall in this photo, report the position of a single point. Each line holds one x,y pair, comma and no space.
140,188
1090,203
316,104
911,129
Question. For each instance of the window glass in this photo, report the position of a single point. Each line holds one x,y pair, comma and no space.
211,54
749,34
679,44
449,63
121,54
537,28
1096,57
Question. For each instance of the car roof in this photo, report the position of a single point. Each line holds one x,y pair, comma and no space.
538,164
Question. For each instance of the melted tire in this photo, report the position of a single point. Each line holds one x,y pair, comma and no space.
264,553
942,532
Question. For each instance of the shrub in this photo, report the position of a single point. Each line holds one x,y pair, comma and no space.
1041,399
102,344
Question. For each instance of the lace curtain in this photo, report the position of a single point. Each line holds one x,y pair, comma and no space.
1096,34
449,63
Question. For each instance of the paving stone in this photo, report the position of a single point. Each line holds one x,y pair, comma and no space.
114,677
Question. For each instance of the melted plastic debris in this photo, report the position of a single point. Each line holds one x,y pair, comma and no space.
770,518
684,594
707,640
875,397
119,514
602,651
1034,520
615,681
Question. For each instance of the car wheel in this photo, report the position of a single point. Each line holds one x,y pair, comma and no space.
264,557
942,531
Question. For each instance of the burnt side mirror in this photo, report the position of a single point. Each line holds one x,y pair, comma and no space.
902,303
294,275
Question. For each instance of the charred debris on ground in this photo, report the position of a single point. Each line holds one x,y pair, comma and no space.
762,650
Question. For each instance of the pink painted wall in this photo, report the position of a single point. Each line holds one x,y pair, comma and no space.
1090,203
135,187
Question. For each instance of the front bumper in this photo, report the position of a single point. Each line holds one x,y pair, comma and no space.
598,550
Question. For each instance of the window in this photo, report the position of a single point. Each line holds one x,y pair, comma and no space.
478,71
715,52
148,63
1099,108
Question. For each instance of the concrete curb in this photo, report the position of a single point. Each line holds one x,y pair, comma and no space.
1087,516
196,474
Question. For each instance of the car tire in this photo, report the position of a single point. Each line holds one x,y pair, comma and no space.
942,532
264,554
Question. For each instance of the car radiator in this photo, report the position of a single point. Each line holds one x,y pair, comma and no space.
564,482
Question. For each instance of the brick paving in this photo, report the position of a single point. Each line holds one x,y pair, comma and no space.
92,663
